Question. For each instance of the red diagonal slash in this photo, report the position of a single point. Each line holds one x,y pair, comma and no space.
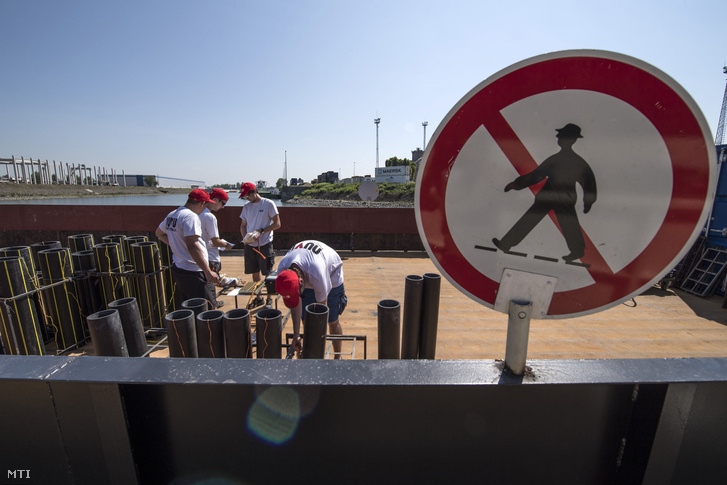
523,162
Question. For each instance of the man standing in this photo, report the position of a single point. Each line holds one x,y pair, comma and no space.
312,272
258,219
211,234
182,231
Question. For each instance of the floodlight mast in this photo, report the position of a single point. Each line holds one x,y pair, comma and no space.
377,121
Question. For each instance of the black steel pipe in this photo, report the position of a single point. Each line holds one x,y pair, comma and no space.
21,332
88,287
80,242
430,316
171,299
128,241
211,335
25,253
134,281
149,289
109,262
411,328
315,325
35,248
268,327
107,334
389,325
120,240
29,266
61,301
131,323
181,333
197,305
238,337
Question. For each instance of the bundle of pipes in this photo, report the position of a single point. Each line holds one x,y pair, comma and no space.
170,297
20,327
195,331
110,265
421,316
149,286
61,304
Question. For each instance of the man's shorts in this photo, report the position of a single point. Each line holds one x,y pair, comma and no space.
335,307
260,259
192,284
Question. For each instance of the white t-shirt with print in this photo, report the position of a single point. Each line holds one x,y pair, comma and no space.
259,216
320,263
178,224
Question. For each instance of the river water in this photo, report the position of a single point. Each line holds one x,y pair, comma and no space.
167,199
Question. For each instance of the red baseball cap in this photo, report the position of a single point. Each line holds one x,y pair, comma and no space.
199,195
219,194
246,187
287,286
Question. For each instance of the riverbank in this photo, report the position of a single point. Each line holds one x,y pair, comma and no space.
12,191
347,203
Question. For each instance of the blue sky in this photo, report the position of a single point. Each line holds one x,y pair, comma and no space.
219,91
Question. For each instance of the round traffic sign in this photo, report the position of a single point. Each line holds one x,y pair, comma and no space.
591,168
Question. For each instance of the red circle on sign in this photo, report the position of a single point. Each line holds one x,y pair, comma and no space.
658,98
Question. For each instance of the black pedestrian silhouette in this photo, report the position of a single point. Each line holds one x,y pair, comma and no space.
562,171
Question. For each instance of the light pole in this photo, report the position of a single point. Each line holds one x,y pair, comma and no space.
424,124
377,121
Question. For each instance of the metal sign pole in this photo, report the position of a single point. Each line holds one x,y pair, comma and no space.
518,330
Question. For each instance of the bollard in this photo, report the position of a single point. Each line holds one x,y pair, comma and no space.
389,324
315,325
107,335
210,335
181,333
238,337
430,316
413,291
268,326
131,323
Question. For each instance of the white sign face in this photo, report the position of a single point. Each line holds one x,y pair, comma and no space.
368,191
590,167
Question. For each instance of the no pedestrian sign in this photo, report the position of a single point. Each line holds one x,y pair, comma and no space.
591,168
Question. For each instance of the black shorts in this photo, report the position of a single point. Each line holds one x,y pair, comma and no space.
260,259
193,284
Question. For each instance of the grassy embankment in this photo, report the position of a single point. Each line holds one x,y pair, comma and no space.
387,192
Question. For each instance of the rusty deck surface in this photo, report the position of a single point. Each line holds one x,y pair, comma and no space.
656,324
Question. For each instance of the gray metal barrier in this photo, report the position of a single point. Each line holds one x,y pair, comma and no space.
116,420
